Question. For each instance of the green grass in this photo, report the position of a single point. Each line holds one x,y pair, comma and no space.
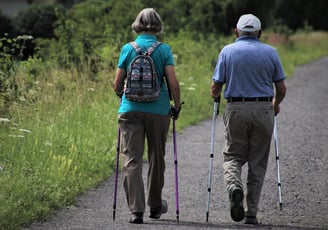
53,149
60,138
302,48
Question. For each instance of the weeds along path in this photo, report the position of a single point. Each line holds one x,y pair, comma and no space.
303,151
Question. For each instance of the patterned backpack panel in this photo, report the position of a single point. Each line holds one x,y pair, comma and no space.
142,84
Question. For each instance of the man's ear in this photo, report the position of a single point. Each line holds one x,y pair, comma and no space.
236,32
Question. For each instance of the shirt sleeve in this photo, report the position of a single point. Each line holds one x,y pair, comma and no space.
279,72
169,60
219,74
122,61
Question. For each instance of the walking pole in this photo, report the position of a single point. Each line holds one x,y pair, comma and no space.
215,114
277,160
176,172
175,153
116,170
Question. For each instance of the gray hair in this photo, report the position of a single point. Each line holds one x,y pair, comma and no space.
247,33
148,20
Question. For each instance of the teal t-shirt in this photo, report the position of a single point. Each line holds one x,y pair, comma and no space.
162,57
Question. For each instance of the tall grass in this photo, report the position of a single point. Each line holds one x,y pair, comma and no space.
53,149
299,48
60,138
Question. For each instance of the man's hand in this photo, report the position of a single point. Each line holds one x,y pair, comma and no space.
276,107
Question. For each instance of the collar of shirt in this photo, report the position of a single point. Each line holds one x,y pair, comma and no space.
146,37
243,38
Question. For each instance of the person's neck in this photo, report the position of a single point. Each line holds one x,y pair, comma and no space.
148,33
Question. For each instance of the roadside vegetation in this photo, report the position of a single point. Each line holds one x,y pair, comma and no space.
58,112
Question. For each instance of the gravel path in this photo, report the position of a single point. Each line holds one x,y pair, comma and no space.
303,145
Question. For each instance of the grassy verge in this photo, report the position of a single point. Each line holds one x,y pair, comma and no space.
60,138
300,48
55,148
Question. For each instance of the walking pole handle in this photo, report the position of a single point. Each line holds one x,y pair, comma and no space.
216,104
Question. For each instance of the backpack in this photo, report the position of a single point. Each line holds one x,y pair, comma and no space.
142,82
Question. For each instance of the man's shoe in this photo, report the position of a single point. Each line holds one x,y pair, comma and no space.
236,204
251,220
155,213
137,218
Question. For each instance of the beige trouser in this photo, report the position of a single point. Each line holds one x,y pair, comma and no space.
135,126
248,132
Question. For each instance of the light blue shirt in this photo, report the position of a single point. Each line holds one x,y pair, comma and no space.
162,57
249,68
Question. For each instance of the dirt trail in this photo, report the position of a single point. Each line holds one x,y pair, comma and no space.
303,147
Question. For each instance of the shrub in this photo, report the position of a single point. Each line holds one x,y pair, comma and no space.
10,62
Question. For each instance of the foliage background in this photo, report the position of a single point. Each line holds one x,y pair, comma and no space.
57,108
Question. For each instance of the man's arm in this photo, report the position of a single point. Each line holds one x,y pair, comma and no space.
280,95
216,88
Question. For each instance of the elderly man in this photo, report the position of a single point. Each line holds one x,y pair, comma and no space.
250,70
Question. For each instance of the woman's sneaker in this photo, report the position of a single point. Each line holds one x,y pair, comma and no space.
137,218
155,213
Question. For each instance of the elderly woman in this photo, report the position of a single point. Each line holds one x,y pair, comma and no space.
151,120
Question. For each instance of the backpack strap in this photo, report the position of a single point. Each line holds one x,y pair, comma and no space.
150,50
153,47
136,47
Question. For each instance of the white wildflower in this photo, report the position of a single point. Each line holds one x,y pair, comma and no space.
4,119
22,98
18,136
48,143
25,37
24,130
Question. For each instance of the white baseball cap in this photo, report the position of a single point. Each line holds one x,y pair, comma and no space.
249,23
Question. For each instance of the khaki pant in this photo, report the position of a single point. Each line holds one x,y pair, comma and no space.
248,133
135,127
